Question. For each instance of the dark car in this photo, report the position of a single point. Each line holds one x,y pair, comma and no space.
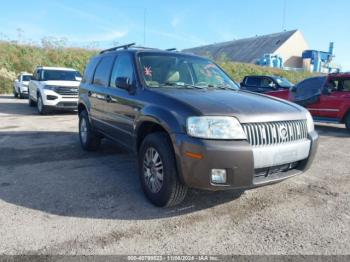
189,125
265,84
326,97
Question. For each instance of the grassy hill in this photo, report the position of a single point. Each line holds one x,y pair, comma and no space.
16,58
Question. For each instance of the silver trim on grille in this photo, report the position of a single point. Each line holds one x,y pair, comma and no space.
274,133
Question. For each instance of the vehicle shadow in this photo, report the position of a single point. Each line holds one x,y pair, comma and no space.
49,172
336,130
21,107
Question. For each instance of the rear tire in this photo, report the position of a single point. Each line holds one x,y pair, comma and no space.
89,140
158,172
347,122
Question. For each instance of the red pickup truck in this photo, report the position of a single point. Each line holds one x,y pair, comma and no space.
326,97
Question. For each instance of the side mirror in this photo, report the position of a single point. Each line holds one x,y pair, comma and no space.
272,85
293,89
123,83
327,91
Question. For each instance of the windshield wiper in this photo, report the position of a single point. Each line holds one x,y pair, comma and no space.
182,85
225,87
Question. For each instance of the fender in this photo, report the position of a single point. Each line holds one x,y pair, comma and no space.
159,116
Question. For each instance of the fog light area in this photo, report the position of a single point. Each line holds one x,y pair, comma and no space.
218,176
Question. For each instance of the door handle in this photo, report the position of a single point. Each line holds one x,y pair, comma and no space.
108,98
89,93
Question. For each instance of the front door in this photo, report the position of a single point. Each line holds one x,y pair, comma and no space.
121,105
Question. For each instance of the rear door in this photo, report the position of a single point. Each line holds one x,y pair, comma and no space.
332,102
98,90
121,105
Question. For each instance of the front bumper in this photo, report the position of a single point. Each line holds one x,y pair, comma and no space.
23,89
56,101
246,166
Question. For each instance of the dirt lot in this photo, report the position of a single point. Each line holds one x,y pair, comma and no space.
57,199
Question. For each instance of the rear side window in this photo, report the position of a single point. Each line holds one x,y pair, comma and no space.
252,81
123,67
346,85
89,70
103,71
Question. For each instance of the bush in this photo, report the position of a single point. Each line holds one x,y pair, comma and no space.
15,58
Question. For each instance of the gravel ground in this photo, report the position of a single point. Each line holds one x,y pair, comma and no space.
57,199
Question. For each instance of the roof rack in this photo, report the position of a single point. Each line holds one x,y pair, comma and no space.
171,49
117,47
145,47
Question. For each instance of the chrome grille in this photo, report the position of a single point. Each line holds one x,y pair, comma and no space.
273,133
67,91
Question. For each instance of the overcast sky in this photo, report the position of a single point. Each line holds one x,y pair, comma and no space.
178,23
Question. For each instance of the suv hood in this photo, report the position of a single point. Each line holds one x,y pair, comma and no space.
62,83
246,106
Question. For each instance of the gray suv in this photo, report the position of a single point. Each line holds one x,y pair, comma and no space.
189,124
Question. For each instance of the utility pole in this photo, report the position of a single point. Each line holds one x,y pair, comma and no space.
284,15
144,26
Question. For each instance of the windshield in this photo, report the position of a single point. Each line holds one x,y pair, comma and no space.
61,75
283,82
179,71
26,78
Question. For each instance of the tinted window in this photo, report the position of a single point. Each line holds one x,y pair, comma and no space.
26,78
39,75
89,70
310,87
61,75
103,71
346,85
123,67
266,83
252,81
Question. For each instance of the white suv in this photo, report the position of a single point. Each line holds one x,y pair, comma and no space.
54,88
20,86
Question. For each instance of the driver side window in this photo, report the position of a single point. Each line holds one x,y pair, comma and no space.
123,67
266,83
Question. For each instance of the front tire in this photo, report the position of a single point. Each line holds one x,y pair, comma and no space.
15,94
20,95
42,109
89,140
31,103
158,172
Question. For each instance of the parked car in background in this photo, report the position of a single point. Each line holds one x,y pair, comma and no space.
54,88
276,85
326,97
189,124
20,86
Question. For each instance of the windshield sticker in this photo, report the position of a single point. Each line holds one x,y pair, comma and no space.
148,71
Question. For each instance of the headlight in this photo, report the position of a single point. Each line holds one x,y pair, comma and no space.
215,127
310,122
53,88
